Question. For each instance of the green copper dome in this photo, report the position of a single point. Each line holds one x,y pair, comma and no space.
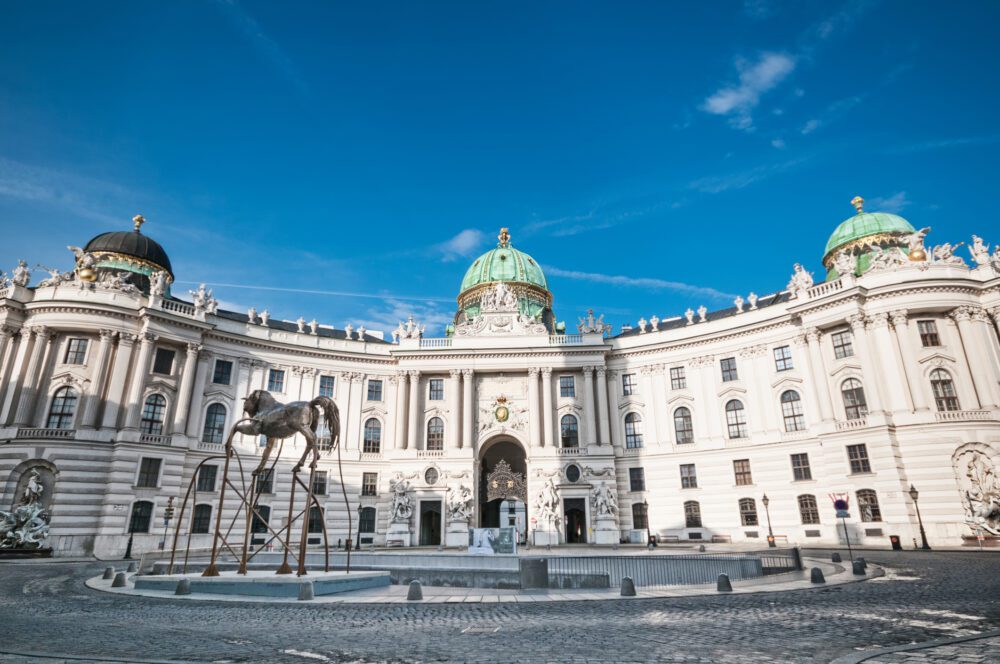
866,224
504,263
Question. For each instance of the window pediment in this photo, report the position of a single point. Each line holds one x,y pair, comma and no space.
732,391
787,382
937,359
680,399
847,368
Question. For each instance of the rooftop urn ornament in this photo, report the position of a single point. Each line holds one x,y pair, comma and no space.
654,323
642,326
689,314
300,323
361,333
739,304
752,299
264,317
858,203
313,326
348,331
252,315
702,310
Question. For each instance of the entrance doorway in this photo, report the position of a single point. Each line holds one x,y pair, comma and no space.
430,522
508,507
576,520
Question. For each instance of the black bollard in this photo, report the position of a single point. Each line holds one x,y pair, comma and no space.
132,568
119,581
306,591
816,575
835,558
701,548
415,592
864,563
724,585
109,573
858,568
628,587
183,587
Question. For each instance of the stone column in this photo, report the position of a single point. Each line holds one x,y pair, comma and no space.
30,387
133,411
602,406
183,410
14,377
820,379
454,430
809,389
198,396
709,413
650,426
612,387
589,414
7,368
975,355
534,426
468,411
760,391
904,330
350,417
243,371
893,376
399,436
988,342
119,379
658,395
872,379
413,421
547,430
92,395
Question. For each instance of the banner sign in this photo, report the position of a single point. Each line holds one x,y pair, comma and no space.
492,541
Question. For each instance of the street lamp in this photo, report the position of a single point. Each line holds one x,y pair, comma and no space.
649,538
357,547
770,533
168,514
914,494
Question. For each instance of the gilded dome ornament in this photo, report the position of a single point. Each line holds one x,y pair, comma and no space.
138,220
858,203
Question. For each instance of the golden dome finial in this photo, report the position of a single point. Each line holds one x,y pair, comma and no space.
138,220
857,202
504,237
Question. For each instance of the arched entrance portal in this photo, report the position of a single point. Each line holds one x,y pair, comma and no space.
509,510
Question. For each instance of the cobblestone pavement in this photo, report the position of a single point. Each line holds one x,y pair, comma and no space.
45,609
969,652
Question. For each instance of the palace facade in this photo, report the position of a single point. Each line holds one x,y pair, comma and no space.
709,426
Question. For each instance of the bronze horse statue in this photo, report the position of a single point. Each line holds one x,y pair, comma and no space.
267,417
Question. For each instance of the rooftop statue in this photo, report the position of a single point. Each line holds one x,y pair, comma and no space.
800,282
980,251
591,325
945,253
21,275
845,263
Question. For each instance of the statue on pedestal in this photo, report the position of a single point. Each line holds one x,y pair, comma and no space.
27,526
460,504
402,504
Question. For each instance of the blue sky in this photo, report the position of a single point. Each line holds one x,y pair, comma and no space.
347,161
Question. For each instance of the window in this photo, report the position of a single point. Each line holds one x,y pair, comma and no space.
569,431
152,414
736,419
741,469
369,484
149,473
928,333
855,406
142,517
678,380
692,514
327,385
842,346
435,389
791,411
163,362
76,351
435,434
319,483
62,409
689,478
729,373
633,430
783,358
373,436
640,517
636,479
223,373
276,380
858,456
202,519
265,481
808,510
259,524
366,522
944,390
567,387
868,506
215,424
315,519
628,384
800,467
683,427
748,512
374,389
206,478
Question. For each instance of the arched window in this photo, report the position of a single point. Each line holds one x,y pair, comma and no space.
142,517
366,522
791,411
633,430
153,412
202,519
808,509
855,405
748,511
215,424
62,409
692,514
944,390
736,419
868,505
569,431
373,436
315,520
683,427
640,516
435,434
259,524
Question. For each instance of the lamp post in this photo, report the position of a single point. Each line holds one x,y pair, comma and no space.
914,494
770,533
649,538
357,546
168,514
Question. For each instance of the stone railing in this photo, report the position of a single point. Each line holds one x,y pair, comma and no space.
633,451
154,439
5,292
565,339
177,307
438,342
202,445
370,456
962,415
430,454
571,451
825,288
851,425
42,432
794,435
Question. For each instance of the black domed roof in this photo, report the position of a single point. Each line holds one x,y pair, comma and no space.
131,243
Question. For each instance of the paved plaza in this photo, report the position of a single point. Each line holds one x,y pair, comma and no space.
45,609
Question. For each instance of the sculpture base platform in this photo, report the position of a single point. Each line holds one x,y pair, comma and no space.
457,534
545,538
398,535
988,541
606,530
11,554
265,583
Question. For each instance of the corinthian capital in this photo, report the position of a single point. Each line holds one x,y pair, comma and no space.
467,373
899,318
857,322
878,320
962,314
813,335
533,372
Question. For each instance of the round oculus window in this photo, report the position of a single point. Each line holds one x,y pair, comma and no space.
431,476
573,472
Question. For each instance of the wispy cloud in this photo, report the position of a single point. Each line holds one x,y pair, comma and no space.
310,291
833,25
894,203
601,216
716,184
778,143
462,245
269,48
648,283
737,101
832,113
944,144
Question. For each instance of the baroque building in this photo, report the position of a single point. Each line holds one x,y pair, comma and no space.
710,426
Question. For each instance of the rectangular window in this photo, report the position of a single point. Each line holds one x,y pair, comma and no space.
678,380
928,333
202,520
76,351
689,478
223,374
319,483
692,517
783,358
327,385
628,384
748,513
265,481
800,467
741,468
163,362
858,456
636,479
276,380
808,510
640,516
567,387
842,346
729,372
149,473
435,389
374,389
369,484
868,506
206,478
366,524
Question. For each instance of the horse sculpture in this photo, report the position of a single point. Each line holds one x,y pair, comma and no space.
268,417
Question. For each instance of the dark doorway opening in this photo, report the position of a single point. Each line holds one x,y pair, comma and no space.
430,522
498,513
576,520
